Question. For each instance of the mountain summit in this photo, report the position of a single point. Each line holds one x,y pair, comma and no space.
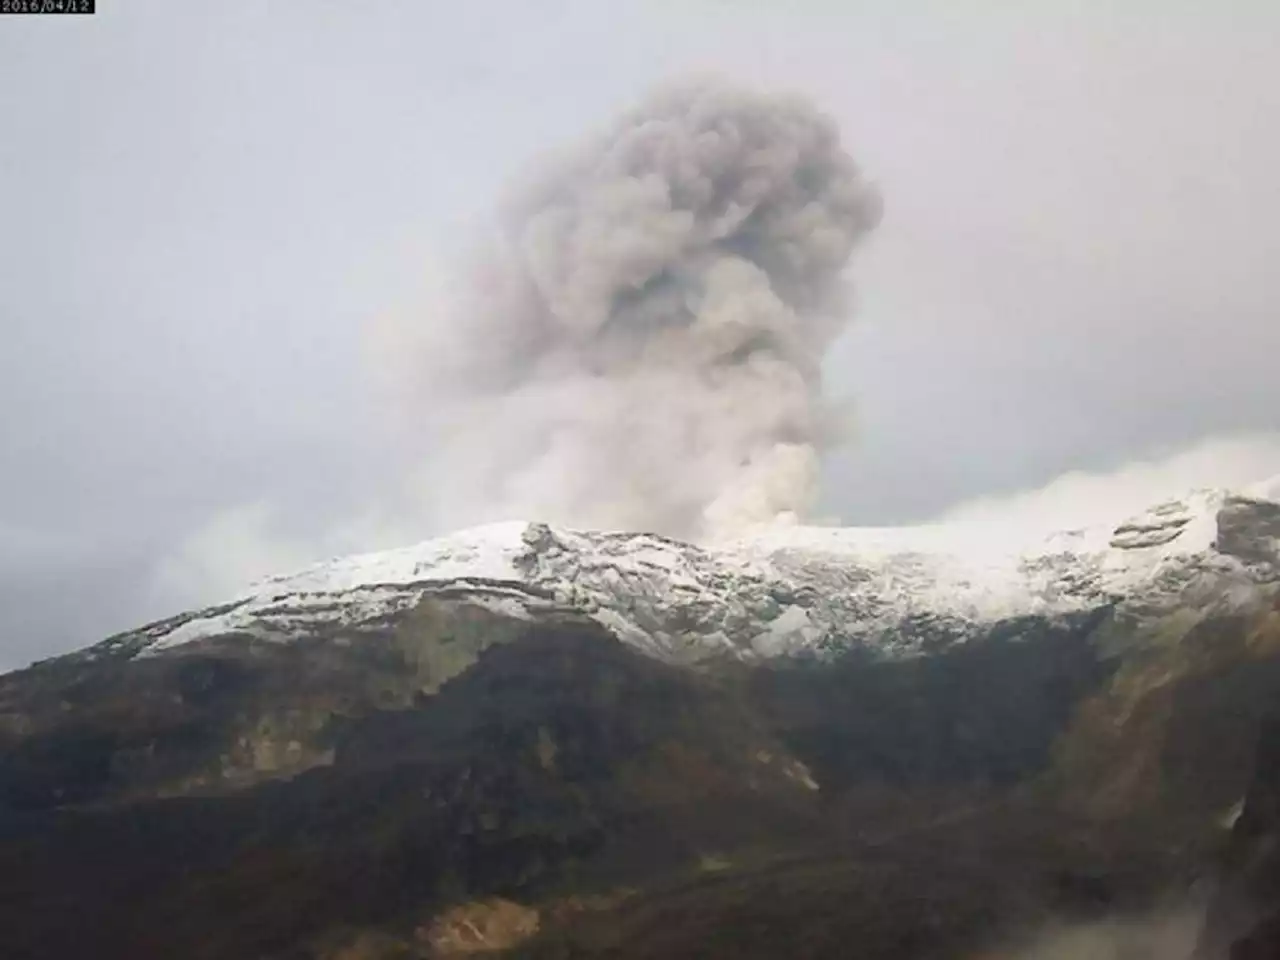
785,590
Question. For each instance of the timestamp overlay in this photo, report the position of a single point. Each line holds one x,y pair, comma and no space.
47,7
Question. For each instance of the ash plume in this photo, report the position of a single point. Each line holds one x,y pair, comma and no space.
641,346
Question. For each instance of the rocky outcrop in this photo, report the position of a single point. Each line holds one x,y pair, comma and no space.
1244,921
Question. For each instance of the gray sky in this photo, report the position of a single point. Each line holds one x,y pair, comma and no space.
204,206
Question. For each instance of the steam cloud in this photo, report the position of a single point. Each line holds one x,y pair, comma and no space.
641,348
1166,936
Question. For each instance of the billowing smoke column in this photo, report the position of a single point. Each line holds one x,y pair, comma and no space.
642,349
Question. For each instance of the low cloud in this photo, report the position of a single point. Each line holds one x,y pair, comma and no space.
1082,498
217,560
247,542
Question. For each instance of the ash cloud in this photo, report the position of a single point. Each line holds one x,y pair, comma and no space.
640,345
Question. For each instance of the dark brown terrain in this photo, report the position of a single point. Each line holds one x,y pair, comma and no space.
456,783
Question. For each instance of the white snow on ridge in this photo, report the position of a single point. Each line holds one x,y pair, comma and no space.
481,552
782,590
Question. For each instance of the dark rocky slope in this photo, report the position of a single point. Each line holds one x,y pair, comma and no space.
402,795
1244,918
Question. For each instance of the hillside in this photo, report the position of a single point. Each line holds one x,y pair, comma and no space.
559,743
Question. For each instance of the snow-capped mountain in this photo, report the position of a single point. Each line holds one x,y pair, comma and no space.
446,723
785,590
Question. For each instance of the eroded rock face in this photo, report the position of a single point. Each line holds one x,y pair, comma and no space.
1249,528
1244,922
487,926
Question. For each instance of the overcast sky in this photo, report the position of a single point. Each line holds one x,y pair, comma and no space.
203,208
